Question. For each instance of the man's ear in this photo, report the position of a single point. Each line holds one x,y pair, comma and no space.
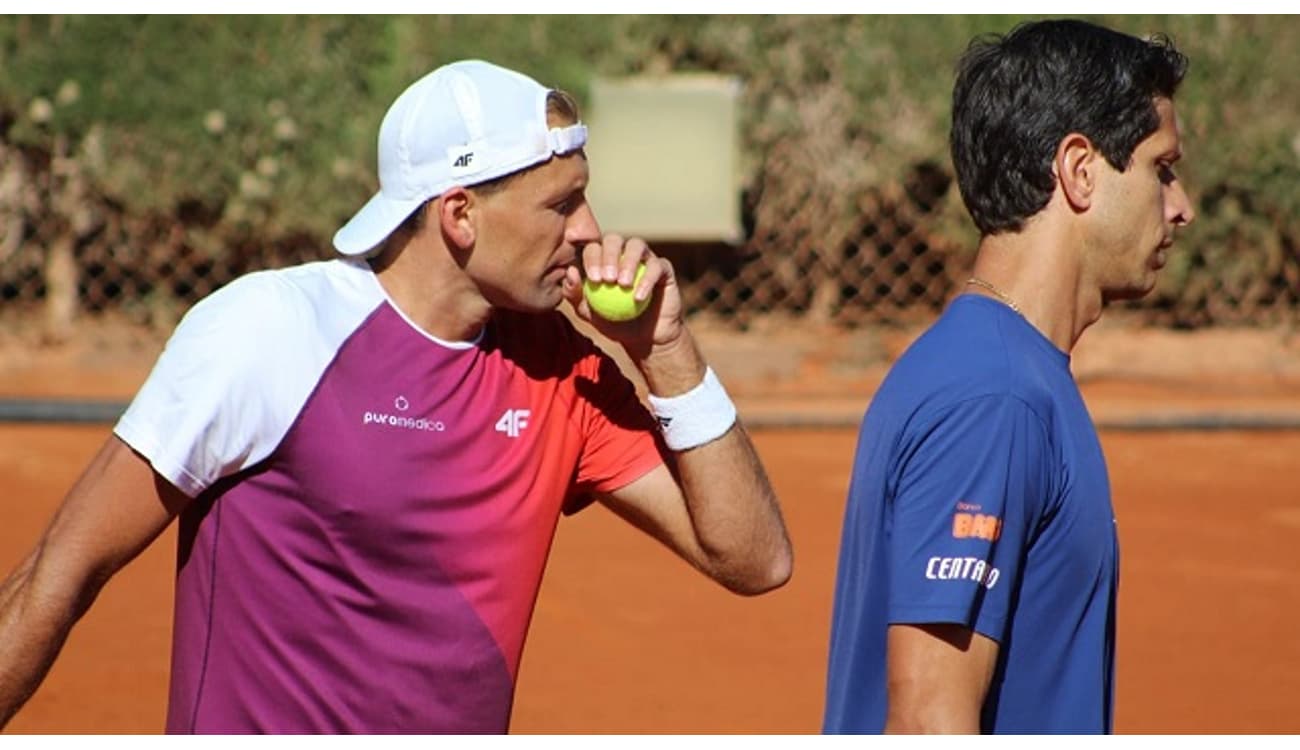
1077,167
455,218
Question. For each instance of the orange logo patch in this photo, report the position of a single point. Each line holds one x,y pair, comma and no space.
976,526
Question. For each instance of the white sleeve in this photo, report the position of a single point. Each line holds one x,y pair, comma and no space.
228,385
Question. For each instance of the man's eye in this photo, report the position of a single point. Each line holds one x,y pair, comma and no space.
1166,173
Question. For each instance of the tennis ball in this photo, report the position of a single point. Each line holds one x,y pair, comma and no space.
613,302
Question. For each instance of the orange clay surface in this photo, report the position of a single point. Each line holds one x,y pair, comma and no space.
627,639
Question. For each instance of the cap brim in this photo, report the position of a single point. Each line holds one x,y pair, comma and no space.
370,226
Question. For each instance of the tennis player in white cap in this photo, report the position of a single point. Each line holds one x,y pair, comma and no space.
369,455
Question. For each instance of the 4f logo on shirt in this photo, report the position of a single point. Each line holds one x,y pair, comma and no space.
513,422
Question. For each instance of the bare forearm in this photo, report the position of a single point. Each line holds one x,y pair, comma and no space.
735,514
931,716
33,629
114,511
733,510
938,676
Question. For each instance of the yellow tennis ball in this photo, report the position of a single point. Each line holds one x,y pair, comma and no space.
613,302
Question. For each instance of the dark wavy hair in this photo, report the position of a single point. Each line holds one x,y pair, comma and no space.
1016,96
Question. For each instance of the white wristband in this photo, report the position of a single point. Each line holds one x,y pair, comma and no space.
698,416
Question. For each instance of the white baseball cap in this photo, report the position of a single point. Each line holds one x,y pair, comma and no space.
465,123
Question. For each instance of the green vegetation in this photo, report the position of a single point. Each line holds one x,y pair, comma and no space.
259,131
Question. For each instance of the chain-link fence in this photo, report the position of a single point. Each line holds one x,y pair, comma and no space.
129,192
66,255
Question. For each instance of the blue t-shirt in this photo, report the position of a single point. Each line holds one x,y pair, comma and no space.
979,496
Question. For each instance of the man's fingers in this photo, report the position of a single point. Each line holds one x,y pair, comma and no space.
615,259
635,252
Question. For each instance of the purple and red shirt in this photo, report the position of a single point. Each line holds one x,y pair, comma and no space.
373,507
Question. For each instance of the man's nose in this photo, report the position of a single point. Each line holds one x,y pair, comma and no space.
582,227
1180,207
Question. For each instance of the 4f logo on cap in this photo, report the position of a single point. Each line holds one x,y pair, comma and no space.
462,159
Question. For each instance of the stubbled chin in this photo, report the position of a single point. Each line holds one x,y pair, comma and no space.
1138,289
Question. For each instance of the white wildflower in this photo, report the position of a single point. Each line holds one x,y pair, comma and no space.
214,121
267,166
68,93
40,110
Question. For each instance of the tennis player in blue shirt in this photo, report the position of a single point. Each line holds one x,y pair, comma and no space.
979,559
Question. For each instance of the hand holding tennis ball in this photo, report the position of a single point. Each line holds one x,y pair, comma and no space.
613,302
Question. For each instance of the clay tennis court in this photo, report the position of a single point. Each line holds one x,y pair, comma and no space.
628,639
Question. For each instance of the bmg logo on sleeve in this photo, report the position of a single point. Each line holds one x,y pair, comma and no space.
976,526
969,523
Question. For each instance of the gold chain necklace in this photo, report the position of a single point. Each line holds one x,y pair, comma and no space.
977,281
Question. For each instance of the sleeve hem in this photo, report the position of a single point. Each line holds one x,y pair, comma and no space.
168,469
988,626
636,470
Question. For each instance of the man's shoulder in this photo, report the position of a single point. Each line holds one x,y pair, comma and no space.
277,318
296,284
969,324
292,297
975,350
261,288
960,346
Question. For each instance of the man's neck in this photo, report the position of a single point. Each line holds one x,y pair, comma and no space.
1040,269
431,290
